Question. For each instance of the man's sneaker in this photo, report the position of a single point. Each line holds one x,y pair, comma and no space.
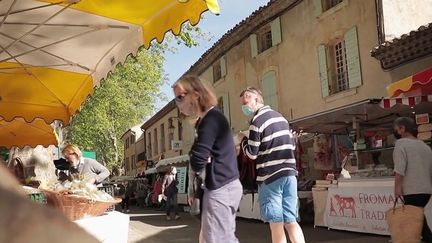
177,217
168,218
127,211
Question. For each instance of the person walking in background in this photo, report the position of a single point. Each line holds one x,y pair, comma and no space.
170,191
125,192
271,146
413,168
214,151
140,195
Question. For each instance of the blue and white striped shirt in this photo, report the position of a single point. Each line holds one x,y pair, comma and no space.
271,145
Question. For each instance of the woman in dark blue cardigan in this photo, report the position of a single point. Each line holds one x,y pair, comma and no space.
214,152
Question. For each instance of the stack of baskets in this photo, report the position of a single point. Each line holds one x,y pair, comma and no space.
76,207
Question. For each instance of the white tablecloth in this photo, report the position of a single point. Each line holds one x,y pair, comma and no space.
112,227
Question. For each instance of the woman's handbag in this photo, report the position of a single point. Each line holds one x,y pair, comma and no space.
405,223
198,192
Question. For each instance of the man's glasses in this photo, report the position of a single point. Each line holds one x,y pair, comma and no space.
180,97
251,90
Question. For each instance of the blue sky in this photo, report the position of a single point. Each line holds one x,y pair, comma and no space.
232,12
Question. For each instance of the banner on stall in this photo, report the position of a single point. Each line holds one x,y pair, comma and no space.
181,178
359,209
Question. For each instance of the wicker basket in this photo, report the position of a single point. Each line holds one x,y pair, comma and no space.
77,207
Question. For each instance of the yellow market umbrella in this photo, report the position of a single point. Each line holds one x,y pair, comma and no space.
20,133
53,53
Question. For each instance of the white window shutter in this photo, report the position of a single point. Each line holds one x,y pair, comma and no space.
254,45
276,31
223,66
323,70
269,90
318,7
353,58
226,107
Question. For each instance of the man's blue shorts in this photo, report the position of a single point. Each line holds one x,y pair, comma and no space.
278,200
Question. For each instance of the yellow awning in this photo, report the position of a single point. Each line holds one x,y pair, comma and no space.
52,53
421,80
21,133
44,93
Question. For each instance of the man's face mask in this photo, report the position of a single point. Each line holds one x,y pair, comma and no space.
396,134
247,110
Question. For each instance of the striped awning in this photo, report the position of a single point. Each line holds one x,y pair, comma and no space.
409,101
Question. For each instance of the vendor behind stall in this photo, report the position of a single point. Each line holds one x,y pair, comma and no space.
89,169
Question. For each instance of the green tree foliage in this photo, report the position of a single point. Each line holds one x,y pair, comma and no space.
123,100
4,153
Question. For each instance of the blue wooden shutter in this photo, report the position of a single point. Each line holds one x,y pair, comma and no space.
323,70
254,45
223,66
269,89
276,31
353,58
211,74
318,7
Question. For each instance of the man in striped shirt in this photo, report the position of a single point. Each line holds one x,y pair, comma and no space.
271,145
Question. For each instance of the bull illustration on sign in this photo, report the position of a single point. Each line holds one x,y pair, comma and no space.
343,203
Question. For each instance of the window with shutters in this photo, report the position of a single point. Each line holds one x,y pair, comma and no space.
127,168
131,140
219,69
324,8
217,72
162,140
149,146
339,64
340,77
155,142
265,39
328,4
268,36
223,105
220,104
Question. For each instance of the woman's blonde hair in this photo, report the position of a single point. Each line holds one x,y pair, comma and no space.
71,148
193,84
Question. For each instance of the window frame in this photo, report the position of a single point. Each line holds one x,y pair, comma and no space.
217,71
329,4
339,72
264,39
162,139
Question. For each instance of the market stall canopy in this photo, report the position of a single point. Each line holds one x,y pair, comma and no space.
421,81
371,114
173,160
20,133
53,53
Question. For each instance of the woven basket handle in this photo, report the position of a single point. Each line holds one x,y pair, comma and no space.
395,202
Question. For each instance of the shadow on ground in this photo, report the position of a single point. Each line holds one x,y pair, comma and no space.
150,226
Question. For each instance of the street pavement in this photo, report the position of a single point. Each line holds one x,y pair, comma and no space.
151,226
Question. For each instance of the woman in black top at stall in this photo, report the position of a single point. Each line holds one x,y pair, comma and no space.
214,151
